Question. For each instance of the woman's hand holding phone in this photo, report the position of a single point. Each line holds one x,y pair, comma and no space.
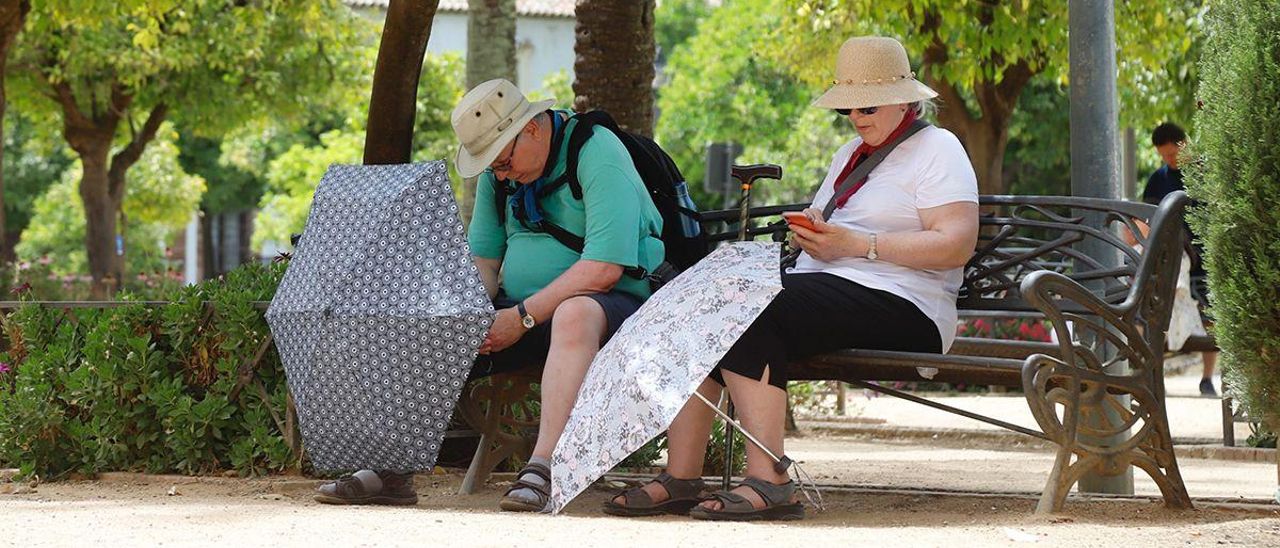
798,218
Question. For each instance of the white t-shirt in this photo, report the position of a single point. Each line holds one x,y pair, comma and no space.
927,170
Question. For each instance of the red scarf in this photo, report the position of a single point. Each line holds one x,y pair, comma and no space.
862,152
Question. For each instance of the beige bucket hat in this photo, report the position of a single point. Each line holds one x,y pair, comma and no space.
486,119
872,71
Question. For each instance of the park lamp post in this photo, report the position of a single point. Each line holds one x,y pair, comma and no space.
1095,166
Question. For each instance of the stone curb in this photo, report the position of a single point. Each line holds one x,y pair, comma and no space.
1189,448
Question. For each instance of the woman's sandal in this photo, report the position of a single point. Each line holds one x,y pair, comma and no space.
516,504
735,507
682,494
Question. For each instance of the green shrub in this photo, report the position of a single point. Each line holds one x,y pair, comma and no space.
1236,176
145,388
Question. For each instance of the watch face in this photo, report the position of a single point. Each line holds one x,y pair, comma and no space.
527,321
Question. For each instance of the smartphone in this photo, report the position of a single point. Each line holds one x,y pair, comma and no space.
798,218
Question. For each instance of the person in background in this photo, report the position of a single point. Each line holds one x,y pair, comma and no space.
1169,139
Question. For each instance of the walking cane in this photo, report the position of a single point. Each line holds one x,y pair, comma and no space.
746,176
781,465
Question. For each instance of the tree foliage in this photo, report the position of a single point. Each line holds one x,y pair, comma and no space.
675,22
292,175
980,56
115,71
160,200
723,87
32,163
1237,179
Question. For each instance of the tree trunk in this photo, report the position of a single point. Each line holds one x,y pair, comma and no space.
100,213
102,185
491,41
389,132
614,67
986,134
491,53
12,15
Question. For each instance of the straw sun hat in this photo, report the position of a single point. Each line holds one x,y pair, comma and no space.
872,71
486,119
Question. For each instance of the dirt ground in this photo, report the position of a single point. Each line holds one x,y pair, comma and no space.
906,493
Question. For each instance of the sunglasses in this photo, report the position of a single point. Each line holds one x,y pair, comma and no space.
864,111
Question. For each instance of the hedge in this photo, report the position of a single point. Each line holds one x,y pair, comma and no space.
1236,178
145,388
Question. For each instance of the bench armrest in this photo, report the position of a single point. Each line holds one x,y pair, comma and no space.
1105,324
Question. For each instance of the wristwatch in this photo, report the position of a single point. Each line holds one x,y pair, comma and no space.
526,319
871,246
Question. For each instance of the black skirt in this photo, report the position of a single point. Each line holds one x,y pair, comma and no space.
819,312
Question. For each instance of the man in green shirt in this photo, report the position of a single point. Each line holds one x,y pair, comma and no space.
553,302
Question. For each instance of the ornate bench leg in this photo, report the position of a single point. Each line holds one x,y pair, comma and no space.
1090,411
485,461
495,407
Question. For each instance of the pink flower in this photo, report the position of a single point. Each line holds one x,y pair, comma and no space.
4,368
24,265
44,260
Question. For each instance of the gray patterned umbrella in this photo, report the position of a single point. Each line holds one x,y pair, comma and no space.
379,317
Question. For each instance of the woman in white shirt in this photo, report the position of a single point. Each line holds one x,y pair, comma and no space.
882,273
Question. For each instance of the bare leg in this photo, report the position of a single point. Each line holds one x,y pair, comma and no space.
762,410
686,441
575,338
1206,380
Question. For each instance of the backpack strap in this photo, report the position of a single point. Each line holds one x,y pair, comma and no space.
576,243
583,131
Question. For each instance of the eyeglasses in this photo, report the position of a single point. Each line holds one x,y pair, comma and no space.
868,111
505,163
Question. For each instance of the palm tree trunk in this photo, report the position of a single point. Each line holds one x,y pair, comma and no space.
491,53
614,67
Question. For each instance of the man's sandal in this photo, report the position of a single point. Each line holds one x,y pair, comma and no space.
735,507
397,490
682,494
542,492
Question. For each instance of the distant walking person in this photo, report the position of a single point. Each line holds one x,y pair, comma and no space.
1169,139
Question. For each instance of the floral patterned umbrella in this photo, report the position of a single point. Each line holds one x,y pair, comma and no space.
379,317
654,363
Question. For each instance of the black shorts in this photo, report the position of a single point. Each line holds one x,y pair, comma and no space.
819,312
532,348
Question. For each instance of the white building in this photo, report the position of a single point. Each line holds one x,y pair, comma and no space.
544,35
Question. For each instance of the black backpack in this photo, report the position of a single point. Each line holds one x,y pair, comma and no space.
662,179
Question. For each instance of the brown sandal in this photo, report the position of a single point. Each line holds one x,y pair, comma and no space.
735,507
513,504
682,494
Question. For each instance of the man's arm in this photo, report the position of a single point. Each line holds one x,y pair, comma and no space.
583,278
489,269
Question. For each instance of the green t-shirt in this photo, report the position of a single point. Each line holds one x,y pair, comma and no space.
616,217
